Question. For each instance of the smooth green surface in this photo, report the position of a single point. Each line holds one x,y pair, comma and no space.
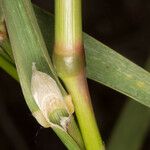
68,29
111,69
28,47
84,113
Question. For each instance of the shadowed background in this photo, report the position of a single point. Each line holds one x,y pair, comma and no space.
123,25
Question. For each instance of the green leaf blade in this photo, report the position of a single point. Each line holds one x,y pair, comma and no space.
115,71
29,47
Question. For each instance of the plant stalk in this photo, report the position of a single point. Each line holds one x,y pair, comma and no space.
70,65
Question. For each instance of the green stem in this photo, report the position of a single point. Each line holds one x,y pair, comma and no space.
68,22
77,86
69,62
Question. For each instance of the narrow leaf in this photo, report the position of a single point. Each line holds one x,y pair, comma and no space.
28,47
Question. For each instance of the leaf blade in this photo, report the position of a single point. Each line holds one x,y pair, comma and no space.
116,72
28,47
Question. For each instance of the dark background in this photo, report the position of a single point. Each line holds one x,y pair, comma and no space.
124,25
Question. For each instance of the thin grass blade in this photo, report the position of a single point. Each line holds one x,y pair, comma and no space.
28,47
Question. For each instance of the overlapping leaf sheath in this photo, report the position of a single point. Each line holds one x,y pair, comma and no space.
29,48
